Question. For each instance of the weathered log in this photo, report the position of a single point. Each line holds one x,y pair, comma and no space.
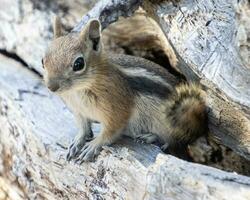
26,26
36,128
109,11
205,38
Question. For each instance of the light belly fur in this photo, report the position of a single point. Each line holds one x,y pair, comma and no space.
148,117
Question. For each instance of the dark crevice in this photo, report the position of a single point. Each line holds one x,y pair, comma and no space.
22,92
17,58
161,58
227,179
13,56
216,156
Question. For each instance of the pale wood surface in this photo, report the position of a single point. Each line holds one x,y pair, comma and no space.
36,129
210,42
205,36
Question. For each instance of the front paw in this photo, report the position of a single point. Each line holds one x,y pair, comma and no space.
89,151
75,148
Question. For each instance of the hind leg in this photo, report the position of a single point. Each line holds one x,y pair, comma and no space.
164,147
148,138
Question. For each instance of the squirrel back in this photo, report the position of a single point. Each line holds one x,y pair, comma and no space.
185,107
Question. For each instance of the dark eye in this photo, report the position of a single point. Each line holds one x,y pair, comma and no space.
78,64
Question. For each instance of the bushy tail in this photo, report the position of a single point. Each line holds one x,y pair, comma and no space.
186,113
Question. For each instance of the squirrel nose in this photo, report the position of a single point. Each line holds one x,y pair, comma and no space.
53,87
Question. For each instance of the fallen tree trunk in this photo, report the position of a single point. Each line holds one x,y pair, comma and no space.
204,36
35,130
26,26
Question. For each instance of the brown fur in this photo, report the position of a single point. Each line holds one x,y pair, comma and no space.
124,93
186,112
114,102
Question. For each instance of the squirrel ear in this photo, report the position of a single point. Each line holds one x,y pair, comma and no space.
57,27
94,33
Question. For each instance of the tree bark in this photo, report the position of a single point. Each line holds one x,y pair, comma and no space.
205,36
36,129
109,11
26,26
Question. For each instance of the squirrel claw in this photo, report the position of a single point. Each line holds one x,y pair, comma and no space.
140,141
75,148
164,147
146,138
88,152
71,152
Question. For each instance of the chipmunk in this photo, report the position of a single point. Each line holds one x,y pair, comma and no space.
126,94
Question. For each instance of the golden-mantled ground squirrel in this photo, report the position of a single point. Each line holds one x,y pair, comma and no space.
127,95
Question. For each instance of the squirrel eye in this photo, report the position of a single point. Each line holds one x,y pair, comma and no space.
78,64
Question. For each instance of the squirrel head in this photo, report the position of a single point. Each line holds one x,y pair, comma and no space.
71,61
